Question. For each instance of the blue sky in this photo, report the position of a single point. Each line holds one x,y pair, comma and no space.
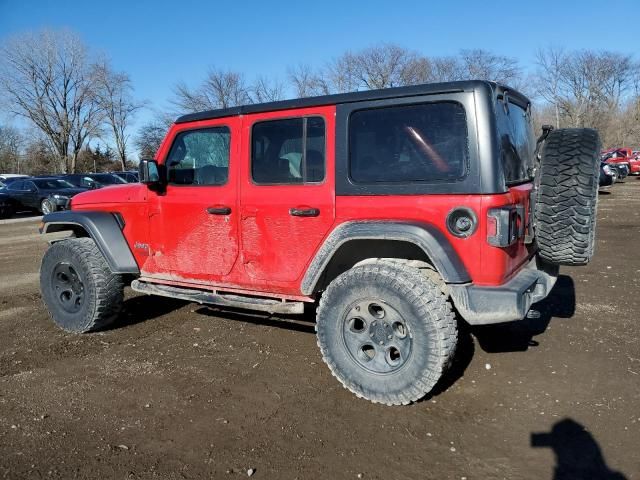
160,43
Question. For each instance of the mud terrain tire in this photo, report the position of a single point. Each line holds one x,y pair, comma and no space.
567,199
386,331
79,290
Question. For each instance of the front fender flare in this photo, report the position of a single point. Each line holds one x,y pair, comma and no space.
426,236
103,228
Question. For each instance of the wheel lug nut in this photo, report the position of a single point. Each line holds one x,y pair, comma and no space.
371,334
374,323
381,342
389,337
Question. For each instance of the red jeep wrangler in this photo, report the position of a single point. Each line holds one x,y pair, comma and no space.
399,212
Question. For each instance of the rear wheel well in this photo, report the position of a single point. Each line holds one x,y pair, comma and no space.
356,251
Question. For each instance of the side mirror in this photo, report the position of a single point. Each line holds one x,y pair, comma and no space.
148,172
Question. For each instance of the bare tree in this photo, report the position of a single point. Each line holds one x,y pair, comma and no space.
46,78
150,136
446,69
306,82
550,63
483,65
265,90
220,89
39,157
115,97
381,66
11,141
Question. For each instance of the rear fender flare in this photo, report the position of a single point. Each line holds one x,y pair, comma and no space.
426,236
104,228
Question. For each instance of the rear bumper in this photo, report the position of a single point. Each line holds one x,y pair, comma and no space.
480,305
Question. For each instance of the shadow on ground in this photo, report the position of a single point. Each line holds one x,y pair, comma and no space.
296,323
507,337
510,337
578,455
145,307
518,336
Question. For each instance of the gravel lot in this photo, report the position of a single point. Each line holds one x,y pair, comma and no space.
181,391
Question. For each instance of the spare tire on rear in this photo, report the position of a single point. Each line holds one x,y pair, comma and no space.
565,212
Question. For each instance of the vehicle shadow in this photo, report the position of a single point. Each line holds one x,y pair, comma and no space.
509,337
141,308
578,455
518,336
297,323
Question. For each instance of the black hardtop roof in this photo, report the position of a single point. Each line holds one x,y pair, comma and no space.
368,95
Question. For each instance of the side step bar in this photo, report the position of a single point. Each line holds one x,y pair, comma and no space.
270,305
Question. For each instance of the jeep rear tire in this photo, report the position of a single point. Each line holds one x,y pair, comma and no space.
386,331
79,290
565,212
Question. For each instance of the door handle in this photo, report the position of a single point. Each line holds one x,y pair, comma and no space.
219,210
304,212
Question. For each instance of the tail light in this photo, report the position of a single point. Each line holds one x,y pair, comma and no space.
505,225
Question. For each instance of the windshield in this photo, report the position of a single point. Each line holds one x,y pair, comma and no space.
52,183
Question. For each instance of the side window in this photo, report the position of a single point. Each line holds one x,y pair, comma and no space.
15,185
29,186
288,151
408,144
200,157
517,143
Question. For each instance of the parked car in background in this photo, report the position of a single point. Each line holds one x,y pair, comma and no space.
622,155
43,194
92,180
7,176
622,170
7,205
608,175
129,177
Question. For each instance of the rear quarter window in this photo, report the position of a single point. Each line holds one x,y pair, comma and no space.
408,143
517,142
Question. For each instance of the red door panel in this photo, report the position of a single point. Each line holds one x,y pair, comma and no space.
194,227
282,225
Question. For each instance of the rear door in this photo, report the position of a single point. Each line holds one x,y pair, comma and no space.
194,223
287,190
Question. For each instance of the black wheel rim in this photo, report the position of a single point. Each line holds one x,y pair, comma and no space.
68,287
376,336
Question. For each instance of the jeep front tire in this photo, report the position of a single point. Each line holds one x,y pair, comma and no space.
386,331
78,288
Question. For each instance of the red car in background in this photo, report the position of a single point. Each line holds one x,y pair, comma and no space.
623,155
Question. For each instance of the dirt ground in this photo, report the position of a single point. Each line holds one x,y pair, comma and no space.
176,390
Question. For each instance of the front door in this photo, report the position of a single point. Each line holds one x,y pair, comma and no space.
287,196
194,222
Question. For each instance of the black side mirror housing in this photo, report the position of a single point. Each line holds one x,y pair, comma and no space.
149,172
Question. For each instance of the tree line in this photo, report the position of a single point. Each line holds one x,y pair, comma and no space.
67,96
72,99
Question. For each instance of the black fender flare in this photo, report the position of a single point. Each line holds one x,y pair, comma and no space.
426,236
104,228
